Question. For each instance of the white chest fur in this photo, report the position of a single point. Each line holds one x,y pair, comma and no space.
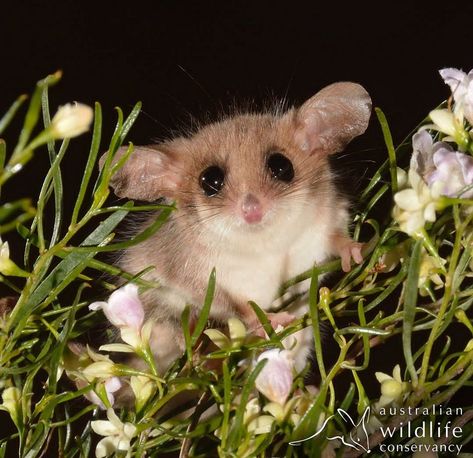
257,274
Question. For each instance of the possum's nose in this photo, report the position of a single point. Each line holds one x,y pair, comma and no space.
252,209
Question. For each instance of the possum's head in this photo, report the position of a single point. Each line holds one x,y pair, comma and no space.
253,172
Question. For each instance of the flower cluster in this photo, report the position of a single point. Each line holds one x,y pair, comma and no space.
441,165
86,368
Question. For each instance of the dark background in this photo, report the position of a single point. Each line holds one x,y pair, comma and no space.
196,57
184,59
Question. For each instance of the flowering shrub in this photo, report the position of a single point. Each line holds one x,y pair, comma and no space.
232,393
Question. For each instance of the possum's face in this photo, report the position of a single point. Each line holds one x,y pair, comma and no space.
250,173
247,175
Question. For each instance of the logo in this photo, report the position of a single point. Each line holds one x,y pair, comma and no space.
419,426
353,440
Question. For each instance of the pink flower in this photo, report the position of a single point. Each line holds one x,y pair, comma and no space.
125,311
461,85
439,163
111,385
123,308
422,151
455,171
275,380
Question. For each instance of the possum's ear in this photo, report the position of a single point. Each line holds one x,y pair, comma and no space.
148,174
330,119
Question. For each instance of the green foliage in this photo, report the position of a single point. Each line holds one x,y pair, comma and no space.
376,305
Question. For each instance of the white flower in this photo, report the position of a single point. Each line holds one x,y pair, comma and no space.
71,120
4,257
275,380
392,387
256,423
99,369
430,267
7,266
415,205
450,123
445,121
117,438
401,176
143,388
461,85
454,171
125,311
11,402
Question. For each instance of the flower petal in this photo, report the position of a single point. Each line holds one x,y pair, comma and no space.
237,330
113,418
124,307
407,200
97,305
453,77
381,376
275,409
421,159
444,120
261,424
99,369
104,428
429,212
131,336
218,338
71,120
122,348
106,447
397,373
252,410
275,380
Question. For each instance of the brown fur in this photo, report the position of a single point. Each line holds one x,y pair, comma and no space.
185,250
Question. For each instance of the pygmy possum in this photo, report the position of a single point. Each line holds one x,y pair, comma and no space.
256,199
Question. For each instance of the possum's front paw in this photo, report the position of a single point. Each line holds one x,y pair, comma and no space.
348,249
280,319
276,319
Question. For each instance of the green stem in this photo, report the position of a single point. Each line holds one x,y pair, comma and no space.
443,307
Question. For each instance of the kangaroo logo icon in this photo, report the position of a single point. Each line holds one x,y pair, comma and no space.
353,440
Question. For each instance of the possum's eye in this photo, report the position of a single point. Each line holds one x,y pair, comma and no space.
211,180
280,167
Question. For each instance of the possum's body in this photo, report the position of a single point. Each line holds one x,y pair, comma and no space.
255,199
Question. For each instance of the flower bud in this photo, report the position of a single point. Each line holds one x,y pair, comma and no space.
7,266
99,369
71,120
123,308
444,120
143,388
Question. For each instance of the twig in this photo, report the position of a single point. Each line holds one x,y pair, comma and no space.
199,409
